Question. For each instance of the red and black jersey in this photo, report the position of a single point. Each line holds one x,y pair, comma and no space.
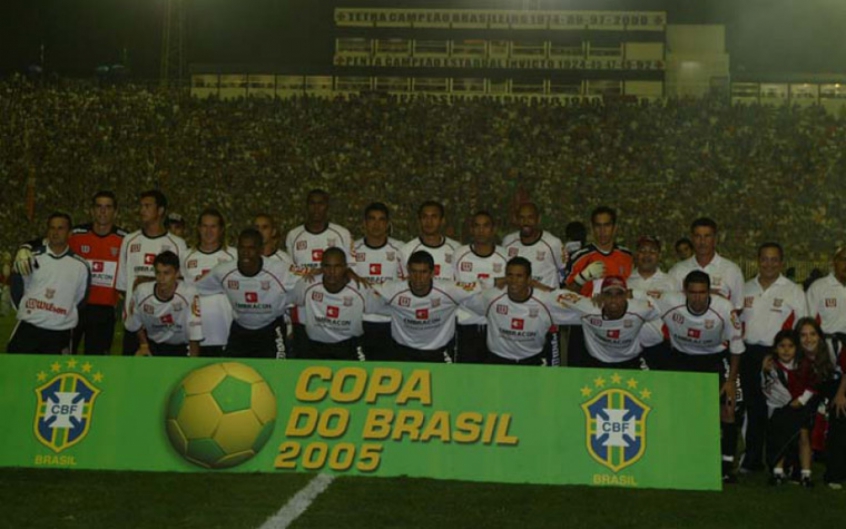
101,252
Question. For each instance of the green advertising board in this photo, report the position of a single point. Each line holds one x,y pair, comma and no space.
481,423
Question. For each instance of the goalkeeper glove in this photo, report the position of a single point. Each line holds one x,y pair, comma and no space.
24,262
595,270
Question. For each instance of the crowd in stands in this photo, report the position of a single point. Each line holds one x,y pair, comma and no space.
764,173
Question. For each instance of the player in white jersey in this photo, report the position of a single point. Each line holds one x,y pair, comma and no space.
377,259
478,262
422,311
431,218
258,291
648,277
518,318
333,310
48,299
771,303
139,249
266,225
726,277
306,244
210,252
166,313
703,328
547,255
827,297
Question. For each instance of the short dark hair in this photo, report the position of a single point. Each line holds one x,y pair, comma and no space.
775,245
603,210
320,192
683,240
104,194
422,257
155,194
334,250
431,204
167,258
698,277
252,233
60,215
377,206
520,261
576,231
704,222
484,213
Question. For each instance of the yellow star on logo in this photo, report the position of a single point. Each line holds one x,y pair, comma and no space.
98,377
645,394
71,363
86,367
586,391
632,383
599,382
41,376
616,378
55,367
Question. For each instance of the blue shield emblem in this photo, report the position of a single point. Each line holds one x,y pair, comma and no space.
63,411
616,428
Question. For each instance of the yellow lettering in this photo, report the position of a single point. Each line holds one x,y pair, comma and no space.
378,424
324,428
408,422
467,426
383,381
502,437
487,436
294,429
359,377
303,393
418,387
438,426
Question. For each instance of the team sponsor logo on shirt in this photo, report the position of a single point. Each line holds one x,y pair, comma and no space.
615,424
512,252
481,277
64,408
265,285
404,301
436,303
497,268
49,293
830,302
466,267
177,306
360,257
149,258
166,319
97,266
192,263
596,322
348,301
778,302
502,309
332,311
437,269
375,269
613,333
232,284
85,248
251,297
709,324
748,301
302,245
694,333
316,255
134,248
148,309
517,324
541,255
678,318
448,258
421,314
317,296
390,256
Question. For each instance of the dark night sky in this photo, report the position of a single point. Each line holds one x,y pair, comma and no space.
763,35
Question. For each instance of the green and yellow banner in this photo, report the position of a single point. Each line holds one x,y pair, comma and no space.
481,423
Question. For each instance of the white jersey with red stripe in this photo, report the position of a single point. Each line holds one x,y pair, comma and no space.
659,282
516,330
257,300
767,311
473,271
377,264
726,277
443,255
546,255
332,317
173,321
137,253
306,248
425,323
216,310
607,340
711,332
827,303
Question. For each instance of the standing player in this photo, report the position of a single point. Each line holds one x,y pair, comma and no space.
266,225
175,224
138,251
704,331
98,242
771,303
210,252
648,277
827,298
684,249
377,259
478,262
257,289
165,314
422,311
48,299
726,277
431,217
306,244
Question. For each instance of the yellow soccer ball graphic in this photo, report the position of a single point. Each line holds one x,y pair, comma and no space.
221,415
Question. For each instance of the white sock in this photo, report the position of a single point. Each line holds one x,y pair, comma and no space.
806,473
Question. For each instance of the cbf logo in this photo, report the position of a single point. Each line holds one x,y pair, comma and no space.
615,431
65,404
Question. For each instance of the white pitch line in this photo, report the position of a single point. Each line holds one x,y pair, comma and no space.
299,503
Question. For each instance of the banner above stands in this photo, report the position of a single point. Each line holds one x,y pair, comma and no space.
478,423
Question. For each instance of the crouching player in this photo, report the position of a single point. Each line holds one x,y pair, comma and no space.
166,313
